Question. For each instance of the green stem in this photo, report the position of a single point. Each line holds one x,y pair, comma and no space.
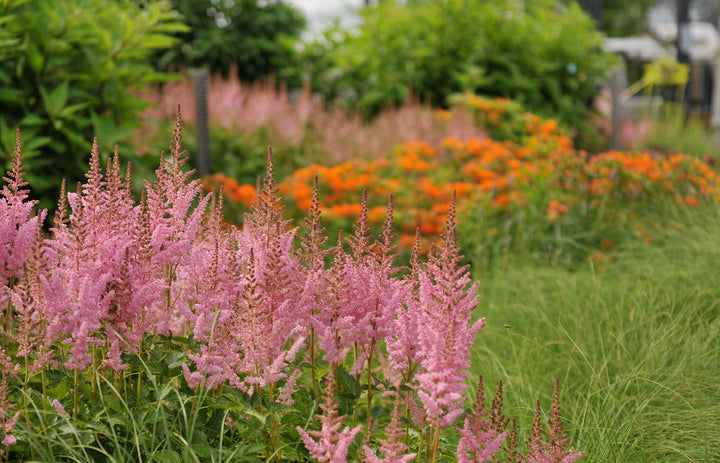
313,373
76,392
433,443
139,373
369,385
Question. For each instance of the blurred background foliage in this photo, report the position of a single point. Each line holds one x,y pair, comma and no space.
544,54
257,38
74,69
69,71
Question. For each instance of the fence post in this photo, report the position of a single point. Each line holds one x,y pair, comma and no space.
202,157
616,88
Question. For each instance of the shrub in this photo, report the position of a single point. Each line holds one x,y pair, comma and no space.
542,54
68,70
250,37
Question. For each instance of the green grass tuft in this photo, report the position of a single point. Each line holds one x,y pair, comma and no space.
635,343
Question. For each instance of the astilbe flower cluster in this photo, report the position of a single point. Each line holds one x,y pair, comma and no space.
443,313
550,446
333,440
480,438
113,270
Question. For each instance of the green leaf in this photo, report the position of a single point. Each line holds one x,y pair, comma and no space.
107,130
60,391
56,100
166,456
31,120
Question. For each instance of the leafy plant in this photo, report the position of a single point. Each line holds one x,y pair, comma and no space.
69,70
544,55
252,38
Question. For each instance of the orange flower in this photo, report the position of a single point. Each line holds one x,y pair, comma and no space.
555,209
691,201
443,114
246,194
376,214
452,143
345,209
502,200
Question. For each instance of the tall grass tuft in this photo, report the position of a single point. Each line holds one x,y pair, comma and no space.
635,344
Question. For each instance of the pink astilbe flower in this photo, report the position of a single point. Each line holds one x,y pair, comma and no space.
7,421
18,224
479,441
86,254
392,448
332,442
552,450
250,327
174,222
445,327
332,317
402,345
377,296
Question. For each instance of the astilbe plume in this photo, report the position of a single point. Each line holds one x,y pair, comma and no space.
333,441
445,327
331,318
402,346
392,448
173,227
376,294
87,254
20,242
7,418
251,326
18,224
552,450
479,440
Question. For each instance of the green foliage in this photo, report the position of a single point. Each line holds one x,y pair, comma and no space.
633,341
145,413
69,70
543,55
622,18
257,38
671,131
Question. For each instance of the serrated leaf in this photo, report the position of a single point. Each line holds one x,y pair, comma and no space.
175,359
166,456
100,428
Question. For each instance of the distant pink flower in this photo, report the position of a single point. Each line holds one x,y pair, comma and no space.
392,447
549,446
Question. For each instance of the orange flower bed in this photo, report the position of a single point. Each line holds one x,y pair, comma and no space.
543,178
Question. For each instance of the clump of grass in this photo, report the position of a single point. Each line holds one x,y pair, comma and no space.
672,131
635,344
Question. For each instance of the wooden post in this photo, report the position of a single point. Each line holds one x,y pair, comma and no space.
616,88
202,157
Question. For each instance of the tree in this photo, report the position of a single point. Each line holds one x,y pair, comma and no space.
257,37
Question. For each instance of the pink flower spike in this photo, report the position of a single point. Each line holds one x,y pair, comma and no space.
333,443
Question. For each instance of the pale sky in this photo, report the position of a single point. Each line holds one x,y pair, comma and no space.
321,13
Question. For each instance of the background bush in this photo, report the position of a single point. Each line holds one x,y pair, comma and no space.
256,37
68,70
541,54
